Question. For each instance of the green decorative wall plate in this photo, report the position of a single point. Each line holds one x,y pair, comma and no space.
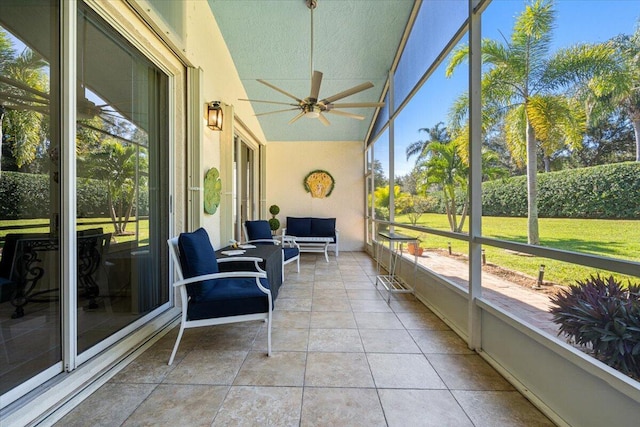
212,189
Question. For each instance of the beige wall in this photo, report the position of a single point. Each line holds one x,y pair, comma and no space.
206,49
287,165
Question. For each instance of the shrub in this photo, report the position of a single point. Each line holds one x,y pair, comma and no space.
606,191
603,315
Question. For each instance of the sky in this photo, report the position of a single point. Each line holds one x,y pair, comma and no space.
577,21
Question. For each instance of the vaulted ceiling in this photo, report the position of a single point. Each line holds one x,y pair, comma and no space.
355,41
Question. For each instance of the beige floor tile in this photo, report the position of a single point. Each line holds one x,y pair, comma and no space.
334,340
416,408
467,372
407,303
283,339
341,407
368,293
296,291
422,320
293,304
439,342
109,406
290,319
325,283
207,367
332,320
366,320
260,406
359,284
337,370
184,405
330,304
150,367
330,294
279,369
403,371
500,409
371,306
388,341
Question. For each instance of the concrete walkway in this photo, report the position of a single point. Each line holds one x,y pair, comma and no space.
525,303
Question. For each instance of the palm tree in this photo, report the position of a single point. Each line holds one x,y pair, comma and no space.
446,166
525,86
438,133
620,88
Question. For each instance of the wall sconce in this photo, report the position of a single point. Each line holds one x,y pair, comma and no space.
214,115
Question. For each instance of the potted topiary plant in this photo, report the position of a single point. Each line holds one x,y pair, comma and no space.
274,223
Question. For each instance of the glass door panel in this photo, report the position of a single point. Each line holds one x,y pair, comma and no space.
30,331
122,202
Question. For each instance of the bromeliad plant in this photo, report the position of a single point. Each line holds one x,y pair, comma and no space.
603,315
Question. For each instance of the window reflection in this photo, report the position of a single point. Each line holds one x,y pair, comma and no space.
30,334
119,146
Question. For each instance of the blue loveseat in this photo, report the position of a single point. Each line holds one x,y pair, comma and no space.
313,234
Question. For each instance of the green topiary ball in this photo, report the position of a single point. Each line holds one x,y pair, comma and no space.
274,209
274,224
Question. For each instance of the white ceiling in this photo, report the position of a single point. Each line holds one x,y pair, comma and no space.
355,41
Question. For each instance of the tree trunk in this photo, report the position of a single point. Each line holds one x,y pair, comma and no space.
636,131
532,186
547,163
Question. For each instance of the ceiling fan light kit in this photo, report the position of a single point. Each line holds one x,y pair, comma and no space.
312,106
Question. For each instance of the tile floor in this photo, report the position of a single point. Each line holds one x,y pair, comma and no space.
341,357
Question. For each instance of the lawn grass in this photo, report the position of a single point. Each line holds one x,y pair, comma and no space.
38,226
610,238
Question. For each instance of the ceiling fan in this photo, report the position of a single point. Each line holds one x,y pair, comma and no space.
312,106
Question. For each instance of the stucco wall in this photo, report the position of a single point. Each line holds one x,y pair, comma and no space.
206,49
289,162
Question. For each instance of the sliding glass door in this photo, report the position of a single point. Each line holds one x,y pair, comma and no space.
117,169
121,169
30,315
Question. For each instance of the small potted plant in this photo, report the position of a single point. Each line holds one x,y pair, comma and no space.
414,247
274,223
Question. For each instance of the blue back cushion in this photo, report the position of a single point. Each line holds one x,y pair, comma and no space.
258,230
323,227
197,257
298,226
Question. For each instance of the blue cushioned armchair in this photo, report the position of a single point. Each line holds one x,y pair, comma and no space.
259,233
209,297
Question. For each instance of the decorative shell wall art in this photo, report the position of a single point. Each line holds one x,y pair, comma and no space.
319,183
212,189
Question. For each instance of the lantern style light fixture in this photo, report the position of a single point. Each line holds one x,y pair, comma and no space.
214,115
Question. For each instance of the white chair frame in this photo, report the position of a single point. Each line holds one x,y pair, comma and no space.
286,241
181,283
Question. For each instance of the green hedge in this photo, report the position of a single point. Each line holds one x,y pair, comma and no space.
606,191
26,196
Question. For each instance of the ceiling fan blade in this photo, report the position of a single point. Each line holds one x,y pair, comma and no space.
296,117
284,92
348,92
277,111
316,80
323,119
344,113
355,105
268,102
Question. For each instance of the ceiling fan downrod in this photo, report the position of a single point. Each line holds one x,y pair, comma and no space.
311,4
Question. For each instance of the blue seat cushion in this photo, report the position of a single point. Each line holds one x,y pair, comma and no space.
229,297
288,253
258,230
323,227
197,257
299,226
